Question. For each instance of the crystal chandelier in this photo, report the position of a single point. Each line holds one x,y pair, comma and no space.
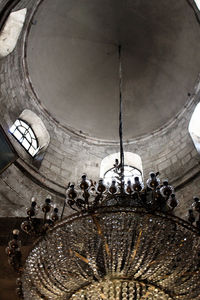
122,243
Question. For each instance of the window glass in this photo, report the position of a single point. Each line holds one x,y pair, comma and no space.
17,123
17,134
34,144
31,133
25,135
12,129
28,136
129,174
25,125
132,162
194,127
26,144
22,129
31,151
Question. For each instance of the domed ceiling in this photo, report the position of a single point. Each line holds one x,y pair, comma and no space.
72,57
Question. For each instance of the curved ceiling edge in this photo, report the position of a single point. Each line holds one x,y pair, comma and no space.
71,131
40,179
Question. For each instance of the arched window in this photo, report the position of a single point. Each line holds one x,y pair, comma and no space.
25,135
129,174
31,133
194,127
132,168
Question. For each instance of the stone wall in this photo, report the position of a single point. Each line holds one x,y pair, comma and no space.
169,150
185,196
17,187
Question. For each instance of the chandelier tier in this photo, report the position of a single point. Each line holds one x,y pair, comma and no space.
115,253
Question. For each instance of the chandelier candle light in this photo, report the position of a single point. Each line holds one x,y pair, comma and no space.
122,243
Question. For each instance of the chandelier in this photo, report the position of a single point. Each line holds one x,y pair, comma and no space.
122,243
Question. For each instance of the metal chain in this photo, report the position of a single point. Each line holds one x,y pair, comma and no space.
120,119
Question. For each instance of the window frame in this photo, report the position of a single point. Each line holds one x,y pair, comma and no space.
27,130
126,165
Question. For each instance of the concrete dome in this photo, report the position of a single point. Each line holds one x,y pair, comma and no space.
73,62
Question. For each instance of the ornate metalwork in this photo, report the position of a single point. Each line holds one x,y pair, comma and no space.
89,195
115,253
123,243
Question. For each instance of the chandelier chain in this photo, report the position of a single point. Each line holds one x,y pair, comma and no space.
121,119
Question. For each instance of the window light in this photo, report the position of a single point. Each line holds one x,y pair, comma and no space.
129,174
197,3
25,136
194,126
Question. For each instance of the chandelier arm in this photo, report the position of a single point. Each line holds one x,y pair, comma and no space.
63,209
120,120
